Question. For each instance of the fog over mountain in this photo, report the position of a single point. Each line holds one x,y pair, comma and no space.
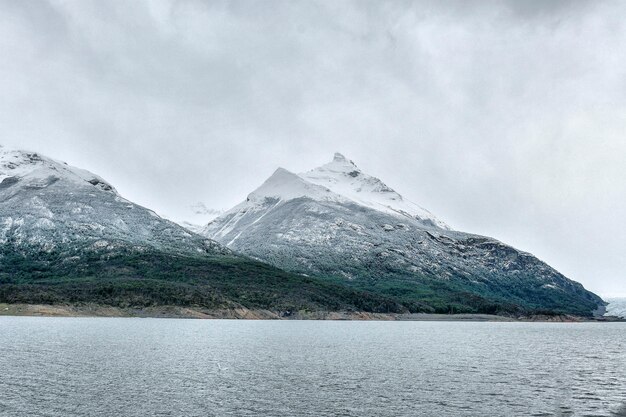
506,119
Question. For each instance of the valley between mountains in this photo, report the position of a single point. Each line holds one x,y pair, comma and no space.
333,242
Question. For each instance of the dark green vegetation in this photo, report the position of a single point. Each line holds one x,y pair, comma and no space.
131,279
432,295
128,278
486,292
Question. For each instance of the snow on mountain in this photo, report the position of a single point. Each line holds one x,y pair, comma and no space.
285,185
616,307
336,221
343,177
48,205
35,169
339,181
282,186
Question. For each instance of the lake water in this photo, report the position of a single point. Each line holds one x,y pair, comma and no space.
159,367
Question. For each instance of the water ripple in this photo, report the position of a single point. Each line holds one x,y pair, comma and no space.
62,367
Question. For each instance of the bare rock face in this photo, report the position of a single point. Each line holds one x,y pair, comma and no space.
340,223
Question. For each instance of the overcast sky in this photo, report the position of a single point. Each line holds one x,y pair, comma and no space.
503,118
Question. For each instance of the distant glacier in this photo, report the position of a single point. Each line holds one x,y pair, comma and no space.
616,307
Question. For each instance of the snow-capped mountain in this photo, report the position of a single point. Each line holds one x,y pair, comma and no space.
339,181
343,177
47,205
67,237
338,222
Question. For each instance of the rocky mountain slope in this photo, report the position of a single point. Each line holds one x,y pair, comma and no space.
342,224
47,205
67,236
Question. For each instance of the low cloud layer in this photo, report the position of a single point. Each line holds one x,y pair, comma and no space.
503,118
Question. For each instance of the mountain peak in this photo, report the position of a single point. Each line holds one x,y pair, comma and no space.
285,185
339,181
36,169
339,157
49,205
280,178
341,162
282,173
344,178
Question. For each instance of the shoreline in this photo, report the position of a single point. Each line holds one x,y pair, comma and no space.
93,310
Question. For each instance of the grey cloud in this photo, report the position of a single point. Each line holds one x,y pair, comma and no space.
503,118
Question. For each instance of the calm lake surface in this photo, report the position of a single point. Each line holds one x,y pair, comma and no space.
161,367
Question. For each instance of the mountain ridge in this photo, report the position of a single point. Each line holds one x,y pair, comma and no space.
331,239
67,237
46,202
373,239
343,177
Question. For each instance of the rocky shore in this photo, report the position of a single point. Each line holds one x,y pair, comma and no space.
93,310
